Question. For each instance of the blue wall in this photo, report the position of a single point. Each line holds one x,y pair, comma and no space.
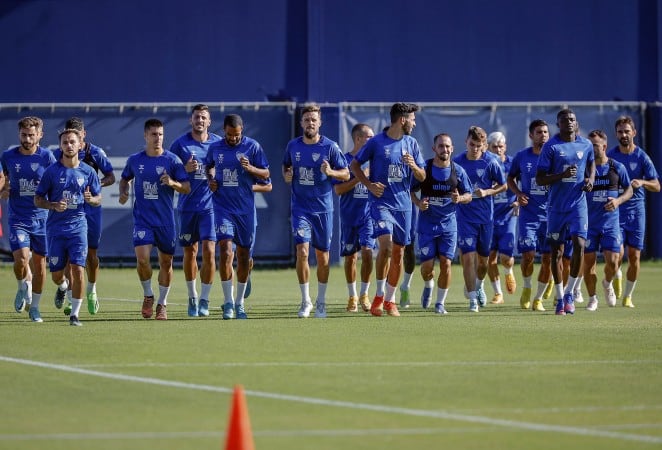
329,50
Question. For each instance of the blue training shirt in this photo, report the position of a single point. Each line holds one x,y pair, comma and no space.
235,185
555,157
638,166
153,204
386,167
354,206
69,183
312,191
24,173
523,168
610,178
186,147
483,173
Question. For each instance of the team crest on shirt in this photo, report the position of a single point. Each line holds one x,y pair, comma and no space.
160,169
480,172
381,224
54,260
633,165
21,237
141,234
425,251
34,166
240,155
580,155
316,156
185,237
80,181
223,229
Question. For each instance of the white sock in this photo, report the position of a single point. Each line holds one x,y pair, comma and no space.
507,270
496,285
91,287
147,288
541,290
305,292
629,287
321,292
527,282
226,285
381,287
570,288
364,288
441,295
205,290
35,300
351,289
578,284
163,295
406,282
28,291
241,290
390,293
64,285
190,286
75,306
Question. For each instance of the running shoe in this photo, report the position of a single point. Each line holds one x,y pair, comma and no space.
320,310
426,297
497,299
161,313
240,312
560,310
59,298
404,298
305,309
577,296
192,307
67,309
511,284
377,307
148,305
439,309
352,304
391,309
364,301
228,311
203,307
525,298
35,316
548,290
627,302
537,306
473,305
74,322
92,303
592,304
249,287
569,303
481,297
19,301
610,294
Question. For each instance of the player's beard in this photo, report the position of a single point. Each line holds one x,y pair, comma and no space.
310,134
625,141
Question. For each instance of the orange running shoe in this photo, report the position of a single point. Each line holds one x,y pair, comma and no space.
377,307
148,304
391,309
511,284
161,313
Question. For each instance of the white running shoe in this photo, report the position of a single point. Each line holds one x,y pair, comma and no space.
320,310
592,305
577,296
306,308
610,293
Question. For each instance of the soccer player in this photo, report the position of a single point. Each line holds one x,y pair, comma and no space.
643,177
474,233
567,165
23,167
95,157
196,211
239,163
603,214
158,173
64,189
446,184
309,164
395,160
506,211
532,222
356,231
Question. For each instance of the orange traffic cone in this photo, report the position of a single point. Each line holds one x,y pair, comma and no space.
239,435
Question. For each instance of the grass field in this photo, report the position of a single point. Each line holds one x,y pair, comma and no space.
500,379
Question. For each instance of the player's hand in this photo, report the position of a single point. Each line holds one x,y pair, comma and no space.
636,183
245,163
124,196
480,193
377,189
87,195
325,168
60,206
408,159
192,165
4,194
288,174
523,199
611,204
165,180
570,171
455,196
588,186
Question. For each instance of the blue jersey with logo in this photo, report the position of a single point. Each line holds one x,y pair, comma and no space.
523,168
639,166
354,207
23,174
67,183
186,147
153,204
235,185
483,173
312,191
609,179
503,201
386,167
555,157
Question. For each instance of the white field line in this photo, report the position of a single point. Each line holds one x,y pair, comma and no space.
529,426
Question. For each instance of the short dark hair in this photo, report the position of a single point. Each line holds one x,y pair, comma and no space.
401,109
200,107
74,123
624,120
440,135
153,123
565,112
70,130
31,121
476,133
233,121
311,107
537,123
359,129
599,133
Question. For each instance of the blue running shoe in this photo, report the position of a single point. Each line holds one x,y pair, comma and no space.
247,292
228,311
34,315
481,297
203,307
426,297
74,322
473,305
192,307
239,312
439,309
19,301
569,303
59,298
560,310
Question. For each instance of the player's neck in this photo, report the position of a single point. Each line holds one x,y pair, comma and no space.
70,162
441,163
313,140
627,149
154,151
23,151
200,136
601,161
536,150
394,133
568,137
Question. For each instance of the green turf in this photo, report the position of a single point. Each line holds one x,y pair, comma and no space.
502,378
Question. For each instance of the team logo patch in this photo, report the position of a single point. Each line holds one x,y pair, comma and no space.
480,172
633,165
80,181
34,166
160,169
469,241
301,232
239,156
185,237
580,155
381,224
21,237
223,229
54,260
348,247
425,251
141,234
316,156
